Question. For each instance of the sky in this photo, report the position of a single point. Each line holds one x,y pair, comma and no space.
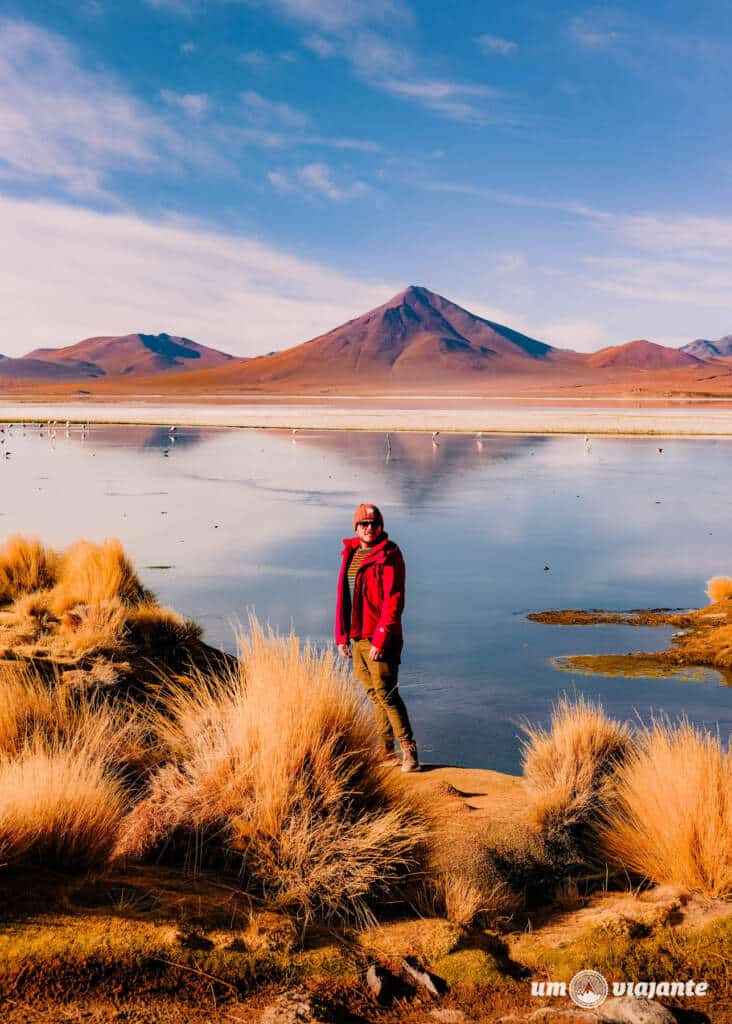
251,173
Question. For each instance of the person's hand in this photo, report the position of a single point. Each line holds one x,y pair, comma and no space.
375,653
345,650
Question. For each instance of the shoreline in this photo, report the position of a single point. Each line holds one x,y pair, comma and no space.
596,421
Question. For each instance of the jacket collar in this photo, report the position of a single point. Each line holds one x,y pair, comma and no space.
373,553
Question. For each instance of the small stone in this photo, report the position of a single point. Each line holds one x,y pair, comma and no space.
423,978
296,1007
632,1010
376,978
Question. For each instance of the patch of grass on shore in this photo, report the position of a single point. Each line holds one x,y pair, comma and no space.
274,767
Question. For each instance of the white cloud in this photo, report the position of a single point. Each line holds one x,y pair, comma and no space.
696,283
342,15
266,111
320,45
496,45
593,31
452,99
60,122
187,48
193,104
77,273
317,178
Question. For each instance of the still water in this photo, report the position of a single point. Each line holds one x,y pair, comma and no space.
221,522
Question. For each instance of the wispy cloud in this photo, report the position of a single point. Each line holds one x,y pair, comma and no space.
496,45
341,15
452,99
265,111
193,104
677,281
394,67
77,273
259,60
62,123
317,178
594,31
645,45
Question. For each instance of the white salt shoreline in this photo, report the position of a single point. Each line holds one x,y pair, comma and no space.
666,422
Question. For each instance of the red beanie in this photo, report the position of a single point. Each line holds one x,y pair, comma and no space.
367,512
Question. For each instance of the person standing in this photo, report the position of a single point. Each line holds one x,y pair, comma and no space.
368,628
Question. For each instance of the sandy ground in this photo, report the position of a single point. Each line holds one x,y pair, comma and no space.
705,421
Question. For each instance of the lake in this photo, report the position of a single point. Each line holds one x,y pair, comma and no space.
223,521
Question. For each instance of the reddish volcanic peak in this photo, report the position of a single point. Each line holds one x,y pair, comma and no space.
417,337
641,355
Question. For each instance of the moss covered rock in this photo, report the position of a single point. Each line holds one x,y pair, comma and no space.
428,939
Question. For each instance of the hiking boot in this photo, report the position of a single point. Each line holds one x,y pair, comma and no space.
410,760
389,758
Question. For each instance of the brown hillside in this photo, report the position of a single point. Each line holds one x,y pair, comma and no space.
641,355
36,369
139,354
417,338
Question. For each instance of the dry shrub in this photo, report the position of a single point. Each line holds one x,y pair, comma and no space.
150,627
670,819
275,764
60,802
464,899
566,769
25,565
719,588
93,629
94,574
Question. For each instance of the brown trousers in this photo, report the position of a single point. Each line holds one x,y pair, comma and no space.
379,680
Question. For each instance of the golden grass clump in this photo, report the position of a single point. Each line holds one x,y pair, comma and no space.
60,801
275,767
25,565
94,574
719,588
670,818
566,769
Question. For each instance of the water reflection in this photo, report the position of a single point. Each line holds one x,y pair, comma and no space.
253,519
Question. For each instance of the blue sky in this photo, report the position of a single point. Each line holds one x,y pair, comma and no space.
252,173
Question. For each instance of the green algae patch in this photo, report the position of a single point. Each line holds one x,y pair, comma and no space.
628,666
703,640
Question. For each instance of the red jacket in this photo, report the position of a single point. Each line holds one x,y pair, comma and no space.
378,598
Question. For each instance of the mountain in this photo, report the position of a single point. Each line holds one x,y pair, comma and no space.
641,355
418,338
703,349
40,370
138,354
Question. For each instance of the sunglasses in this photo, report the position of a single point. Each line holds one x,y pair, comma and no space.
365,523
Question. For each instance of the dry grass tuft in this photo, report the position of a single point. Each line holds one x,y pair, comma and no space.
719,588
275,765
89,629
670,819
150,627
566,769
60,802
25,565
94,574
